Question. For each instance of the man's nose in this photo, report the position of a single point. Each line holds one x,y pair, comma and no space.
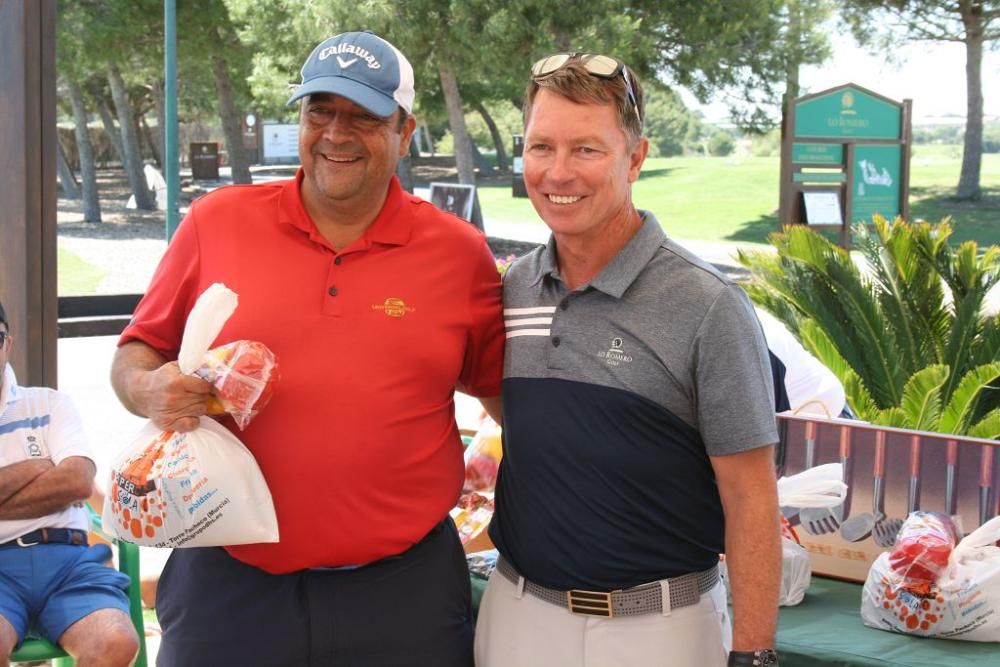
560,168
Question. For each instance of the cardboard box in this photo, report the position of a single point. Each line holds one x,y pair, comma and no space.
917,470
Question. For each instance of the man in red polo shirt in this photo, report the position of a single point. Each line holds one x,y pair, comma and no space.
378,306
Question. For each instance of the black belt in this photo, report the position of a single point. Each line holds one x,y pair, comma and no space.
645,599
49,536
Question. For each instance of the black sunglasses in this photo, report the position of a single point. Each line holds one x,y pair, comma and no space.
604,67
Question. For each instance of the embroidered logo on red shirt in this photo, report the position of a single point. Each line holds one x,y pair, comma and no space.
393,307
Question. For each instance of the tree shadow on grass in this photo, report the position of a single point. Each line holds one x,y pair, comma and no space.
972,220
655,173
755,231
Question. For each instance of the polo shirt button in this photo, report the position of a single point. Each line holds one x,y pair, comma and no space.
337,261
555,341
332,291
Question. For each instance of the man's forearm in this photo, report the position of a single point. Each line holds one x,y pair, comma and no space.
52,491
18,475
753,544
131,361
753,559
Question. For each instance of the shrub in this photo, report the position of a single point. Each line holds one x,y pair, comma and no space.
908,336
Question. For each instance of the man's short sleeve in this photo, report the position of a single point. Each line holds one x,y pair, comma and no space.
160,316
482,368
734,393
66,436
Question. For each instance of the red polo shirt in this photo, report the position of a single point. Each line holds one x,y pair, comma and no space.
359,444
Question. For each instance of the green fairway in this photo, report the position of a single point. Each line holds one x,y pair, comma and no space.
736,199
75,276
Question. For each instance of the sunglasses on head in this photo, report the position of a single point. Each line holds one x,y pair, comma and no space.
604,67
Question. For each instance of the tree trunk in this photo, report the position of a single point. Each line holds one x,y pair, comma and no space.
562,39
456,120
231,127
502,163
88,172
160,103
154,145
793,59
428,138
972,151
66,180
485,168
130,142
108,120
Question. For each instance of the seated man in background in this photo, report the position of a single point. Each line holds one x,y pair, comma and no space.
811,387
51,582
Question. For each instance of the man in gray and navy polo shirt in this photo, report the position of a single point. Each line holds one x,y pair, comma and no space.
638,416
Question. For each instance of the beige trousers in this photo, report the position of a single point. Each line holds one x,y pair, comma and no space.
516,629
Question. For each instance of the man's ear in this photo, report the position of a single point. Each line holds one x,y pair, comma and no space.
636,158
406,134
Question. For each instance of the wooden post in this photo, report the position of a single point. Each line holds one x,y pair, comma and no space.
28,185
904,169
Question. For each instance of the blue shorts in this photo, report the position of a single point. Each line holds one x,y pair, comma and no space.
411,610
46,588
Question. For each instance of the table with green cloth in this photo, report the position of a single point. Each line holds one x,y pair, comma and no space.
826,629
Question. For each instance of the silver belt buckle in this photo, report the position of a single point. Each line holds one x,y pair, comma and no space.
589,603
21,543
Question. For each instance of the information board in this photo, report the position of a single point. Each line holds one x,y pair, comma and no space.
847,112
280,144
823,208
876,182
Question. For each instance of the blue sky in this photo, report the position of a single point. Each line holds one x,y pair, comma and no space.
932,74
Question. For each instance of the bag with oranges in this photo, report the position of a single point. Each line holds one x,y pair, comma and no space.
932,587
204,487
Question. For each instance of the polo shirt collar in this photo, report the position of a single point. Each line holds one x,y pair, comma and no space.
623,268
389,227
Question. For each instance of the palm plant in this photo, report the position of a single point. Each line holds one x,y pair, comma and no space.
903,327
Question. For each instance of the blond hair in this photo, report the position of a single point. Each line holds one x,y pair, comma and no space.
576,84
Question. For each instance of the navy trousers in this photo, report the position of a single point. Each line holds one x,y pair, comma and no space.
411,610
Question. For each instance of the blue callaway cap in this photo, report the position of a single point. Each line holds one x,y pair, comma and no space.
362,67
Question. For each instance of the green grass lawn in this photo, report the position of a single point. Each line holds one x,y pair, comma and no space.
736,200
75,276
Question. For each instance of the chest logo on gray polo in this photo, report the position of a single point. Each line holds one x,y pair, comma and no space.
615,355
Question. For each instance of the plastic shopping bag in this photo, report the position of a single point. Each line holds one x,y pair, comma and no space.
195,489
472,515
963,602
482,458
818,487
242,374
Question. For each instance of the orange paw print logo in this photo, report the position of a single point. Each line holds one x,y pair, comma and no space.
137,502
914,611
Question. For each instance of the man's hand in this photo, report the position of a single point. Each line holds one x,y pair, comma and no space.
174,401
149,387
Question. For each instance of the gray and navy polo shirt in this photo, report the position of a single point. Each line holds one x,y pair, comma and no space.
615,395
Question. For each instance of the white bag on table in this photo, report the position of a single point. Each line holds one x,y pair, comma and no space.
819,487
196,489
963,604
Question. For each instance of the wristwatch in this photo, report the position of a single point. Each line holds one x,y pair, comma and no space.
764,657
